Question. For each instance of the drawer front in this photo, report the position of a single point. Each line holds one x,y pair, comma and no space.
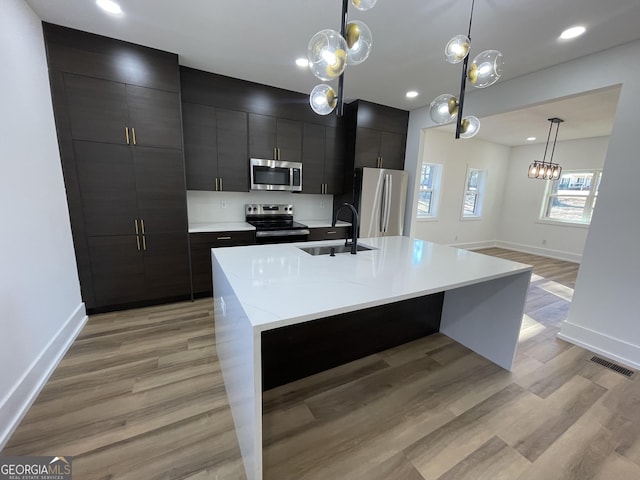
329,233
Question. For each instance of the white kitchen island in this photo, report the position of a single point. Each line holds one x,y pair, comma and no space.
258,289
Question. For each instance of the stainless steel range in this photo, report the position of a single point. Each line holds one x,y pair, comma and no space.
274,223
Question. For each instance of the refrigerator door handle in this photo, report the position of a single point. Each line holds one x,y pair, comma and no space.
383,204
389,197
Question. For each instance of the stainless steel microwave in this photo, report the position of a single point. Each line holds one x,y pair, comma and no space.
275,175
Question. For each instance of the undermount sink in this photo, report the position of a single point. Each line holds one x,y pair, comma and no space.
333,249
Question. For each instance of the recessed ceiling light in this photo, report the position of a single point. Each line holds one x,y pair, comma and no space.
572,32
412,94
109,6
531,139
302,62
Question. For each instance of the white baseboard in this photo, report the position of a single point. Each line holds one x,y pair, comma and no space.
545,252
26,390
626,353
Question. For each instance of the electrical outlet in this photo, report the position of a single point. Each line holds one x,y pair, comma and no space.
544,242
321,203
455,237
223,204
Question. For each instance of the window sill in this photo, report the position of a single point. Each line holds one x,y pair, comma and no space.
558,223
467,219
426,219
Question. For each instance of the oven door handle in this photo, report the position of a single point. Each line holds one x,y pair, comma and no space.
282,233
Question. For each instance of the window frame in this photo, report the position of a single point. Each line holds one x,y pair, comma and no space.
479,193
435,190
590,199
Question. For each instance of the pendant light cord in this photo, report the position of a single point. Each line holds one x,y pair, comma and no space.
463,80
544,157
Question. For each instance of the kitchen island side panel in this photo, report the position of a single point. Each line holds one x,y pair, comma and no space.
486,317
238,350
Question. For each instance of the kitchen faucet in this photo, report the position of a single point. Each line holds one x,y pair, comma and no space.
354,226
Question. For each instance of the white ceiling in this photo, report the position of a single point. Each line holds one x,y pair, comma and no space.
259,40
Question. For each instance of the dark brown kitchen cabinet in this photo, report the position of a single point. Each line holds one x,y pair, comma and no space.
329,233
323,153
201,245
215,148
117,112
274,138
111,112
376,149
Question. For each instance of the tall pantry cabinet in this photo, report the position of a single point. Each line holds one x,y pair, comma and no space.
118,118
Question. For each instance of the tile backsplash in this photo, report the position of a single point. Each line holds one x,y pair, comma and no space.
204,207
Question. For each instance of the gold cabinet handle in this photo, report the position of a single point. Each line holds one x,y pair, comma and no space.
133,135
223,238
216,184
142,223
138,242
136,223
381,161
126,134
221,189
275,153
144,243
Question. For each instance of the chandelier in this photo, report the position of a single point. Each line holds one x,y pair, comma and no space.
547,170
329,52
485,70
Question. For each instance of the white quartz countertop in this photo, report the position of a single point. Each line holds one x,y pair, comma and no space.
323,223
206,227
219,227
280,284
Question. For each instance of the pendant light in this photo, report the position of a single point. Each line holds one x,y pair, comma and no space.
329,52
547,170
485,70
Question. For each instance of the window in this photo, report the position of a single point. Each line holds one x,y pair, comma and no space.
428,192
572,197
473,193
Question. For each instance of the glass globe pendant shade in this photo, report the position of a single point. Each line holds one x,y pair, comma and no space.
533,170
363,5
486,68
323,99
443,109
470,126
557,171
457,49
359,41
327,54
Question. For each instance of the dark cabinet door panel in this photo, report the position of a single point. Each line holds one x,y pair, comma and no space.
200,146
262,136
107,180
155,115
97,109
392,146
162,202
166,265
367,147
289,140
117,269
334,164
233,160
313,158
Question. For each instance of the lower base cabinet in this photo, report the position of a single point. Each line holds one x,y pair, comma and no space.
132,270
329,233
201,245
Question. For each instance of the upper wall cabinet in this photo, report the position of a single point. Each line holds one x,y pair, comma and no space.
274,138
112,112
377,135
323,155
215,147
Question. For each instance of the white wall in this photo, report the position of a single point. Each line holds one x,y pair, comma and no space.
604,312
205,207
456,156
520,226
40,305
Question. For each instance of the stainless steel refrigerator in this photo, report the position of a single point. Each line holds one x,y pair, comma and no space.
381,197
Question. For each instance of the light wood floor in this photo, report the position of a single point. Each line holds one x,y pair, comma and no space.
140,396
